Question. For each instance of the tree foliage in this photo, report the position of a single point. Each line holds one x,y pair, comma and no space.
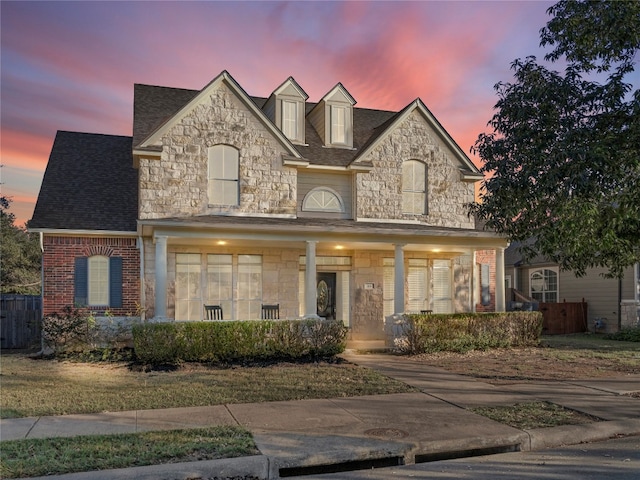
19,254
562,163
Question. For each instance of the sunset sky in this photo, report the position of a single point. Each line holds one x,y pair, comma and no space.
72,65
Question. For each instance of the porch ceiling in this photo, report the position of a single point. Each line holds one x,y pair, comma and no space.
331,236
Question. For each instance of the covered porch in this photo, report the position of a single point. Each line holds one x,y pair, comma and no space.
357,272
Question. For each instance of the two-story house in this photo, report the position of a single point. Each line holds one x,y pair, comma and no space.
220,198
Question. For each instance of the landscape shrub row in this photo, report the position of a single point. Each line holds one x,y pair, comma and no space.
426,333
174,342
629,334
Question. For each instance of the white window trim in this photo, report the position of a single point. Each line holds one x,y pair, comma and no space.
312,192
542,269
99,275
211,179
425,209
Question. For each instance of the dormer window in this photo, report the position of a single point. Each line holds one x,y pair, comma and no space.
338,124
285,108
332,117
290,119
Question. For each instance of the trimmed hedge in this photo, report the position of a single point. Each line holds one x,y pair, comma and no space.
175,342
462,332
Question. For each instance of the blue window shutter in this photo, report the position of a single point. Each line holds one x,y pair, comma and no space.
485,292
80,282
115,282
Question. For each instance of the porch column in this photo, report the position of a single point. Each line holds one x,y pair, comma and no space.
500,295
161,278
310,293
398,280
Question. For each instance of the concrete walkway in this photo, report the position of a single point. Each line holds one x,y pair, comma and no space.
311,436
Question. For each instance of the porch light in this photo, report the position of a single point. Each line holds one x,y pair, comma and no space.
221,242
339,247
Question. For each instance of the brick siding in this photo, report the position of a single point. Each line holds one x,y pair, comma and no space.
58,267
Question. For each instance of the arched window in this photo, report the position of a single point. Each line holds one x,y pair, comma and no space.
322,199
543,285
223,175
414,187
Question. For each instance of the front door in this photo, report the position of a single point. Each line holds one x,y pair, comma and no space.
326,295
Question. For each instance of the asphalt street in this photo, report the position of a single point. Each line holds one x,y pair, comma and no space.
617,459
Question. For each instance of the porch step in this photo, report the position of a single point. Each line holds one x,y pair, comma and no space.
367,345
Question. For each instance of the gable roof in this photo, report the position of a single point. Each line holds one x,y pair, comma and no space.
89,184
155,106
228,80
418,105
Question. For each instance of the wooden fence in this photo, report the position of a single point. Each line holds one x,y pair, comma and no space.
20,321
564,318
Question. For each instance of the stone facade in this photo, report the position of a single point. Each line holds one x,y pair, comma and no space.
176,184
380,191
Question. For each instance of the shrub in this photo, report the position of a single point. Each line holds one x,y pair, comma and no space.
175,342
77,330
629,334
67,330
468,331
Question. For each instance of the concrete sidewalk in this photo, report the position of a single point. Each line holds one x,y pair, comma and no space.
307,436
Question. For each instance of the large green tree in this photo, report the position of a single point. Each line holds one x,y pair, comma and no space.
19,255
562,161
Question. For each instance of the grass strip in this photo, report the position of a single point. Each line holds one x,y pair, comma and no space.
527,416
60,455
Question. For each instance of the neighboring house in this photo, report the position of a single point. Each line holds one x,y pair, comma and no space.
613,303
221,198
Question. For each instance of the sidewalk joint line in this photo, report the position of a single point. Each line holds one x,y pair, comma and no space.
232,415
32,427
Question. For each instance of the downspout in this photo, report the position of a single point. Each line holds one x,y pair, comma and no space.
41,237
143,300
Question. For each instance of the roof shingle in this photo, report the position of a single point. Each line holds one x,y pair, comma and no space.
89,184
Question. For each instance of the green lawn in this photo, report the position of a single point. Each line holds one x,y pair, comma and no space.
50,387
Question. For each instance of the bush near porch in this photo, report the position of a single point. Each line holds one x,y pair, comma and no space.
462,332
229,341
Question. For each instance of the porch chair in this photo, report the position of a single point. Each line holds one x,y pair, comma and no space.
271,312
213,312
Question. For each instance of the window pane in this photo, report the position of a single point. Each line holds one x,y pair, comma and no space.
98,280
414,187
338,124
188,295
249,286
417,286
322,200
223,175
543,285
442,295
289,119
388,287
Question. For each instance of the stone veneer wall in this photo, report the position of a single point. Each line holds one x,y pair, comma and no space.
380,191
176,184
58,264
367,322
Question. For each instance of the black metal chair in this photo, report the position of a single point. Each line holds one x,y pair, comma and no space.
271,312
213,312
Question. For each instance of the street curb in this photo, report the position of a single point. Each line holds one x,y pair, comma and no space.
541,438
